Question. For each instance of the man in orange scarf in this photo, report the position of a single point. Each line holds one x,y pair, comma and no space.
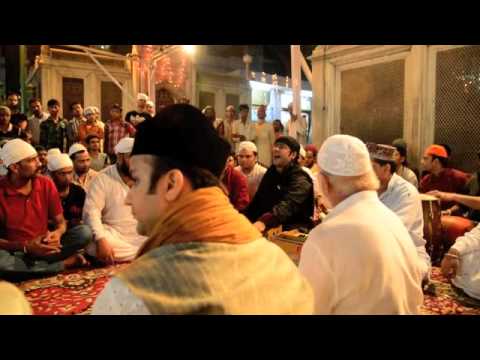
201,256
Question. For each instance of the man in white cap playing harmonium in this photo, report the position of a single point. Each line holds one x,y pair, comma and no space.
112,222
28,246
361,259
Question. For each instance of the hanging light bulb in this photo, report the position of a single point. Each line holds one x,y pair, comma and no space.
189,49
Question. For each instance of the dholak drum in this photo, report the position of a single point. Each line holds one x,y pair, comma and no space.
432,226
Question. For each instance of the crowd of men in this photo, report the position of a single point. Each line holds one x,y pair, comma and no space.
188,199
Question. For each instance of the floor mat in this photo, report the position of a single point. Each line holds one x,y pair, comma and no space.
73,293
448,300
70,293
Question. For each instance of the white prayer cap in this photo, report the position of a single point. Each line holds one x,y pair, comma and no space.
150,103
77,147
15,151
124,146
142,96
303,153
53,151
344,155
59,161
91,110
247,145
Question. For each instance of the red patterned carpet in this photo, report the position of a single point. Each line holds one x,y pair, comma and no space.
71,293
74,293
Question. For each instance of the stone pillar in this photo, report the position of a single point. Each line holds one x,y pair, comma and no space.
324,123
419,127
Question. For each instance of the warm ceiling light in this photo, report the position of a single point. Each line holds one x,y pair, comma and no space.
189,49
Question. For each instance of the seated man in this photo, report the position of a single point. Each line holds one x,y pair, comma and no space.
441,177
71,195
201,256
402,198
401,160
42,157
83,175
27,203
462,262
248,165
285,195
98,160
112,222
473,186
236,185
361,259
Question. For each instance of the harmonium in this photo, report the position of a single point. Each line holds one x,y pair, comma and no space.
289,241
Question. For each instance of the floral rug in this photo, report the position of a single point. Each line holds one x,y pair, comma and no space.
448,300
70,293
73,293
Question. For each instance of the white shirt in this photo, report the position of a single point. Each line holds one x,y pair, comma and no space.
408,175
297,129
468,275
254,178
404,200
34,126
108,216
361,260
247,130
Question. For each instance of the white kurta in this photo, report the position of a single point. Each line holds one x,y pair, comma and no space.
247,130
404,200
361,260
297,129
264,139
254,178
108,216
468,276
408,175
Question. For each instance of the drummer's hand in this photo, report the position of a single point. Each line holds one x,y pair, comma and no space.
444,196
450,264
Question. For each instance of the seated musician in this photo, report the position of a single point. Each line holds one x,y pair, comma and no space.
401,160
442,178
462,261
361,259
473,186
446,179
401,197
201,256
285,195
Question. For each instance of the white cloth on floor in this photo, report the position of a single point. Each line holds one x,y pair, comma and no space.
361,260
108,216
404,200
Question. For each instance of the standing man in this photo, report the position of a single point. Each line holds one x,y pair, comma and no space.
296,126
242,129
53,131
74,124
34,121
7,130
136,117
115,130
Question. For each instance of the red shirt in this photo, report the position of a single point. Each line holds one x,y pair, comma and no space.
449,180
24,218
237,187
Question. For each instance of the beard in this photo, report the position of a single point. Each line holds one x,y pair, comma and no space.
124,169
142,229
